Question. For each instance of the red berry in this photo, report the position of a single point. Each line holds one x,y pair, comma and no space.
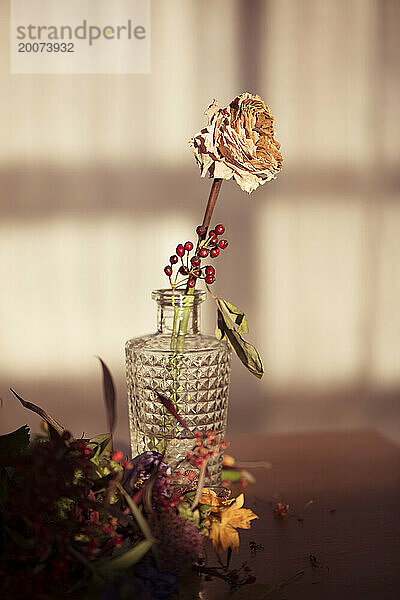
210,270
214,252
180,250
196,273
203,252
191,283
195,261
188,246
223,244
213,240
200,230
220,229
117,455
168,271
173,259
183,270
210,279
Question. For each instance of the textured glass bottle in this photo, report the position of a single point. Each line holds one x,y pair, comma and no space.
195,376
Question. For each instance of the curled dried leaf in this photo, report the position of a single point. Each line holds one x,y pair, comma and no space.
109,395
53,424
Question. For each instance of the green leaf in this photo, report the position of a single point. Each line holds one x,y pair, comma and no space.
205,509
236,315
189,496
137,513
16,442
128,559
245,351
64,506
231,475
220,325
102,448
101,444
190,515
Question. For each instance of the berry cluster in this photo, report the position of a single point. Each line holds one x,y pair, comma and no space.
190,267
207,445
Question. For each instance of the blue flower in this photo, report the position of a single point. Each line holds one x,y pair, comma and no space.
160,586
147,583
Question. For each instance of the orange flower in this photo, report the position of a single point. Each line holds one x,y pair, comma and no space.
223,527
239,142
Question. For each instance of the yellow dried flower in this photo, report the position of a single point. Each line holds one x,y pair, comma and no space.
223,525
210,497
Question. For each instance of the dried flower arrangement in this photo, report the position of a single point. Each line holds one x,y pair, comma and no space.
77,518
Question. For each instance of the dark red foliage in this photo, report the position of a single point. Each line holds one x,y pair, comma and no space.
42,525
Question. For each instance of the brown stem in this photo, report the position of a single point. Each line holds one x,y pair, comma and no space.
200,485
215,188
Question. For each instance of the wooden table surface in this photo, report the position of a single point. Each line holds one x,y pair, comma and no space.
344,496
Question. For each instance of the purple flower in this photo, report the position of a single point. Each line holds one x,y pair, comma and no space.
143,467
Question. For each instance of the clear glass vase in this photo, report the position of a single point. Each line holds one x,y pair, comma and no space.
192,370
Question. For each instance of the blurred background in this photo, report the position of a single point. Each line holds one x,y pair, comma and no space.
98,185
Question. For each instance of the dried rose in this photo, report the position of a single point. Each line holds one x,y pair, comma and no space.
239,142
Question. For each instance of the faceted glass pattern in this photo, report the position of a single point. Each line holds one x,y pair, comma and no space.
196,379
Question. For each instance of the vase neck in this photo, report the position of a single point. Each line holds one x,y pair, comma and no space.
167,316
171,309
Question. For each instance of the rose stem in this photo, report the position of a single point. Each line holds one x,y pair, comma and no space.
212,199
215,188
